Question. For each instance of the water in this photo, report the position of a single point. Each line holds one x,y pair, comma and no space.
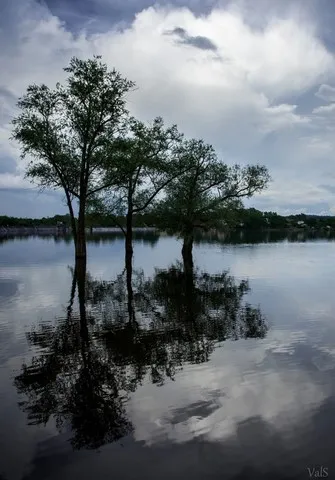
227,373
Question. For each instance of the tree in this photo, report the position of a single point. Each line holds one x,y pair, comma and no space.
144,162
204,196
275,220
66,133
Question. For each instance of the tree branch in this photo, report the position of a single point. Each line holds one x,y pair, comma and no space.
214,184
164,184
98,189
136,178
119,224
238,194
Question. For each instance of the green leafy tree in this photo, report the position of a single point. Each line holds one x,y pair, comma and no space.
145,161
205,195
66,133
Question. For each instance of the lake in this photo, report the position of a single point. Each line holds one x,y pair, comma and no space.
227,373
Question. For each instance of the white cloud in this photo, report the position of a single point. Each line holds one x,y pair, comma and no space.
326,92
235,98
222,101
325,109
281,116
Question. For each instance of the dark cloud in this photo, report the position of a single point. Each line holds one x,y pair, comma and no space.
203,43
94,15
87,14
178,31
198,41
102,14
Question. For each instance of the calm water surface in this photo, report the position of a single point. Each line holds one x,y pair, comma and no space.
224,374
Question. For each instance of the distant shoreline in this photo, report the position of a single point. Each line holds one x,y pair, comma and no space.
12,231
64,230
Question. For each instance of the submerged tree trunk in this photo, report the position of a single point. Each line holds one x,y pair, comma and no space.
130,293
81,234
187,250
129,237
80,273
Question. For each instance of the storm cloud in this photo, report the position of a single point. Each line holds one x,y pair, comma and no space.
270,101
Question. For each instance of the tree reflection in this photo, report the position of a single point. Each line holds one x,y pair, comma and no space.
117,334
72,379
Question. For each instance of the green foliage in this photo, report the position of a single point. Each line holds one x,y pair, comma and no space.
249,219
79,137
6,221
66,132
254,219
209,191
142,163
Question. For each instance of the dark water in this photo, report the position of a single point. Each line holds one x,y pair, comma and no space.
227,373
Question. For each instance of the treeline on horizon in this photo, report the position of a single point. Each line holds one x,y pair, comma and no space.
249,218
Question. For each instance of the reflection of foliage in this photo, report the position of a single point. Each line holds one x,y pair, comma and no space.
72,380
152,237
177,317
89,363
260,236
146,237
213,302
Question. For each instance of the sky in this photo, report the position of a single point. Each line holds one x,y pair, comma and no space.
255,78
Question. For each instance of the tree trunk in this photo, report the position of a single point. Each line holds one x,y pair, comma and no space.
72,217
187,250
81,234
129,237
129,258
